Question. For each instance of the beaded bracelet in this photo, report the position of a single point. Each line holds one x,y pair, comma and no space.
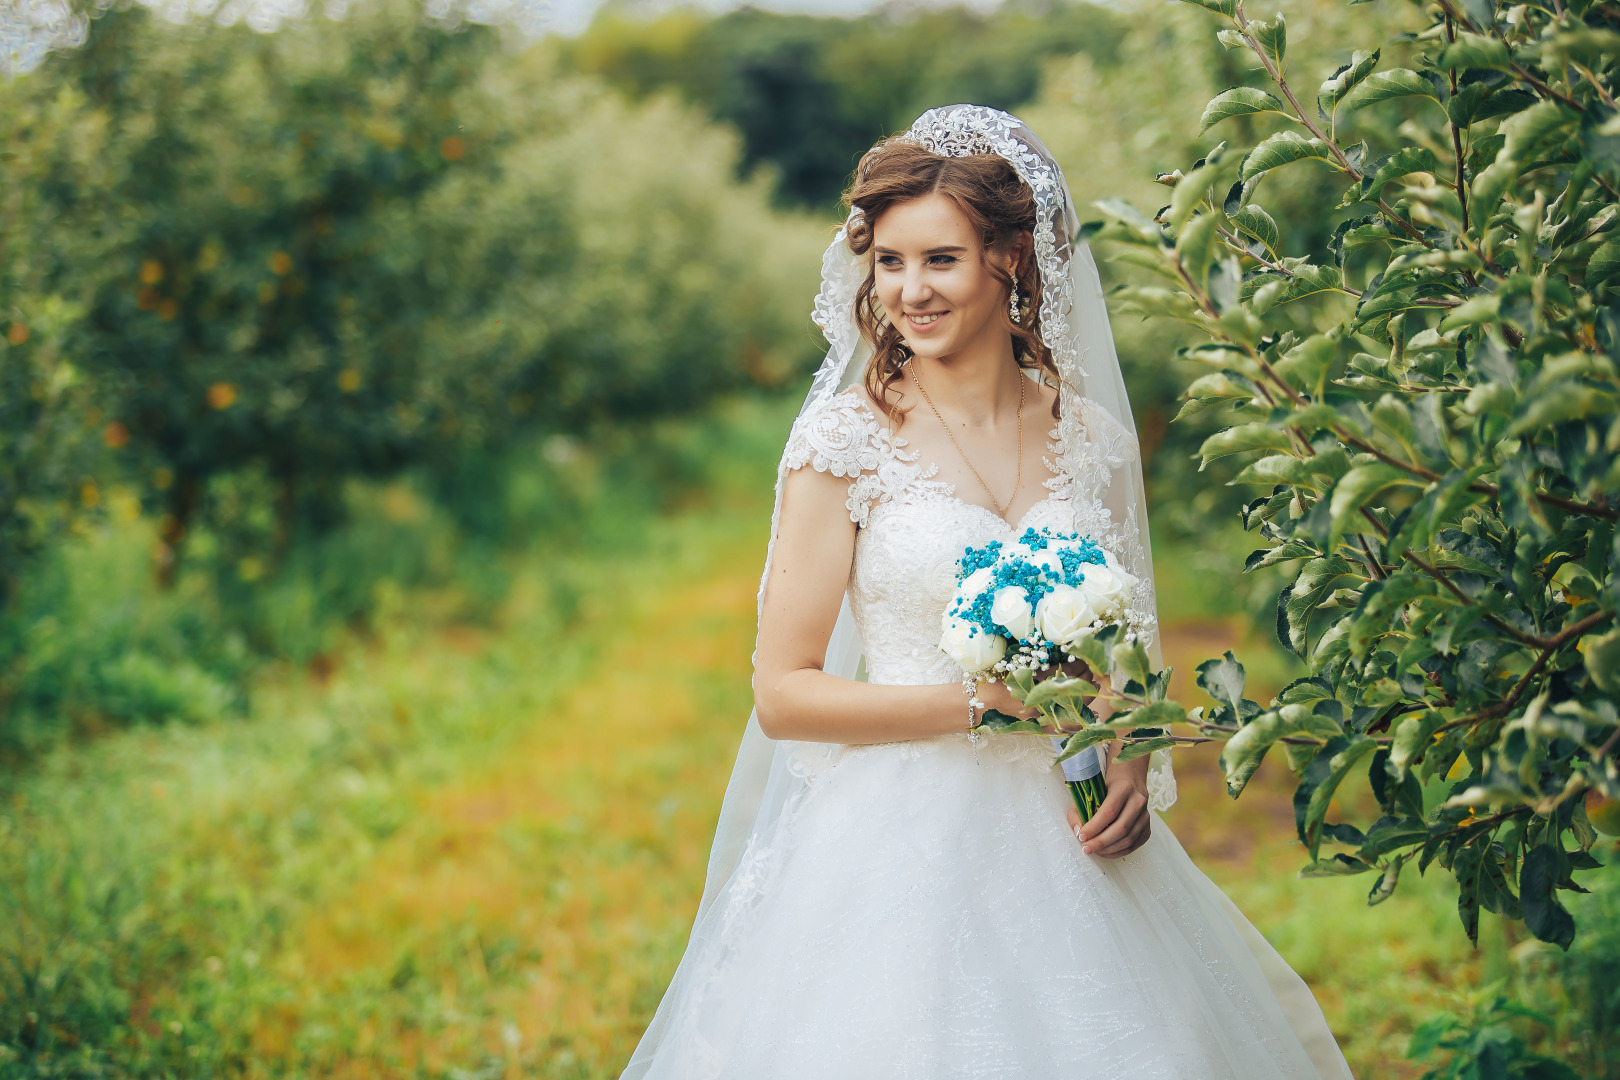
970,686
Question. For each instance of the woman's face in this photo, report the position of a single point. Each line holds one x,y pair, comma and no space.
932,279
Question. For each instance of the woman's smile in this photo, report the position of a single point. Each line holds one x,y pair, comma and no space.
923,320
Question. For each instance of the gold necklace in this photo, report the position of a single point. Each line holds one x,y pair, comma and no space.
1000,508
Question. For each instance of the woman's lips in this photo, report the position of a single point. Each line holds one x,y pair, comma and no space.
924,321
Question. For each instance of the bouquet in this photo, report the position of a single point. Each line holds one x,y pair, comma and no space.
1024,609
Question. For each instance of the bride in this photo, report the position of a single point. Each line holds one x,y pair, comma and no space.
891,893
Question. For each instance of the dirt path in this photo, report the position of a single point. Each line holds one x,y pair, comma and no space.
536,908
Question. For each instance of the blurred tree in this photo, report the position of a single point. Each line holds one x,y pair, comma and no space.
809,94
342,249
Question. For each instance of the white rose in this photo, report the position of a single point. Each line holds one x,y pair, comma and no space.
976,582
968,644
1105,589
1064,615
1011,610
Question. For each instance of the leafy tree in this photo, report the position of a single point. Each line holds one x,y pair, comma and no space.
1429,399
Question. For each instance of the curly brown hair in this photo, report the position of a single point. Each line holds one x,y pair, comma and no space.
1001,208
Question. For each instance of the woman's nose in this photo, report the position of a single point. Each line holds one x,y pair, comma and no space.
915,293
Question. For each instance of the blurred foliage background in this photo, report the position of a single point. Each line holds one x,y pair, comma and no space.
372,388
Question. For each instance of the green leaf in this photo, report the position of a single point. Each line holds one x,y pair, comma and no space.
1473,51
1196,243
1057,688
1220,7
1307,281
1603,264
1384,887
1132,659
1243,438
994,720
1223,680
1412,738
1254,221
1277,469
1340,865
1084,740
1144,747
1602,657
1238,101
1359,485
1346,79
1403,162
1339,765
1388,85
1272,37
1281,149
1158,714
1471,312
1544,916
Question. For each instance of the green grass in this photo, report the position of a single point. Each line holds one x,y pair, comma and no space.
473,849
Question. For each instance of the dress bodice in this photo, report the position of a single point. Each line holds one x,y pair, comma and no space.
912,529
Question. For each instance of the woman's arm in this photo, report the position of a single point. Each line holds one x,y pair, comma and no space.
795,698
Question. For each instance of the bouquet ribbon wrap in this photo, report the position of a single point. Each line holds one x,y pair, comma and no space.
1083,766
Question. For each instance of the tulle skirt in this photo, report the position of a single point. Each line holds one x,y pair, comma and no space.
925,912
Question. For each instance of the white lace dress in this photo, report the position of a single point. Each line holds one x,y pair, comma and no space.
924,911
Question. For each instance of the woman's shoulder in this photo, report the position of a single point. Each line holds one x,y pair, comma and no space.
844,436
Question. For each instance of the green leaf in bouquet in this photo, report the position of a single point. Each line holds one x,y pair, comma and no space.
1156,714
1092,650
1084,740
1059,689
1143,747
999,723
1020,683
1132,659
1238,101
1291,549
1223,680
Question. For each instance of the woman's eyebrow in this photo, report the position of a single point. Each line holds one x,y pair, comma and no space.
931,251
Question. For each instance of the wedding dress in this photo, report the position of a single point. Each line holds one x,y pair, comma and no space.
920,909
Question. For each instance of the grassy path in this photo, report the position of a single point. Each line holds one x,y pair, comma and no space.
476,853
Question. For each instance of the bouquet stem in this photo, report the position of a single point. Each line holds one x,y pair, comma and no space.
1088,795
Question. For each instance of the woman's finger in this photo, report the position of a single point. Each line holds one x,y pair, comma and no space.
1120,827
1110,809
1138,836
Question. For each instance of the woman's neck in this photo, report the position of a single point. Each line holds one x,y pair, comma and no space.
975,388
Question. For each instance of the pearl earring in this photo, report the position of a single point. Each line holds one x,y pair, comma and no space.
1012,305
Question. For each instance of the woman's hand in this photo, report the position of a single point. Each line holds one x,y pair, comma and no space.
1122,823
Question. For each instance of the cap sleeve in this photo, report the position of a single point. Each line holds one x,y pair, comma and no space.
845,438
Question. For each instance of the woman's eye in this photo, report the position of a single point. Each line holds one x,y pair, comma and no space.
942,260
889,262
